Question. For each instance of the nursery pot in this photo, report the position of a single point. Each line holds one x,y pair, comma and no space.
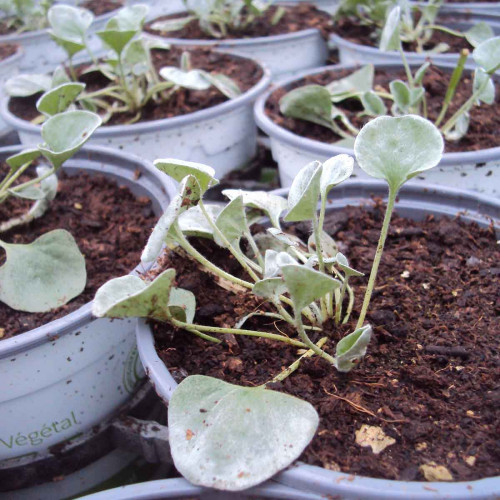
42,54
283,54
355,53
224,135
64,377
88,462
491,8
9,67
476,170
414,202
329,6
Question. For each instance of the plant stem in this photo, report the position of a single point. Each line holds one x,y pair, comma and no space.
319,253
288,371
409,76
452,85
350,305
338,305
378,255
204,336
255,248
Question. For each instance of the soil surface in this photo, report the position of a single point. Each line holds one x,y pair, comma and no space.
430,377
110,225
245,72
296,18
7,50
98,7
484,120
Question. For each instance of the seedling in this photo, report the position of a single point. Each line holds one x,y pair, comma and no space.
217,18
51,267
318,104
232,437
134,81
25,15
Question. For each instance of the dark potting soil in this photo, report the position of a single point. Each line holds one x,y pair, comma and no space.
110,225
351,30
98,7
7,50
245,72
484,119
430,377
296,18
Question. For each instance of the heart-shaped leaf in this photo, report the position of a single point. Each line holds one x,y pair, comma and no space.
352,348
44,274
269,288
130,296
182,305
401,93
390,38
311,103
194,223
65,133
59,98
304,193
356,83
25,85
397,149
373,104
69,26
483,81
479,33
25,156
343,263
178,169
116,39
230,437
187,196
272,205
193,79
335,170
232,222
305,285
487,54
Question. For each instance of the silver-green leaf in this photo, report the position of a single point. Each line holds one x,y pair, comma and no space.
352,348
58,99
178,169
304,193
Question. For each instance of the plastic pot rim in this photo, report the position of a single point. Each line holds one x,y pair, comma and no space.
154,125
68,323
322,148
18,54
313,478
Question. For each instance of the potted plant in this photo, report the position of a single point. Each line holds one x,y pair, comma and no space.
319,113
63,232
25,23
423,33
10,56
232,437
285,38
196,103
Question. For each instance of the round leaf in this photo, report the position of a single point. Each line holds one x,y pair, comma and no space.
230,437
70,23
193,79
27,84
335,170
487,54
178,169
59,98
397,149
43,275
352,348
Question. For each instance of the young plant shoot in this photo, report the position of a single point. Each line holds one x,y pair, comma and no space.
217,18
304,284
134,82
24,15
319,104
51,267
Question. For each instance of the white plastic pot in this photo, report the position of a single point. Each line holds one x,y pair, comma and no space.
491,8
475,170
329,6
354,53
415,202
9,67
62,378
284,55
42,54
224,135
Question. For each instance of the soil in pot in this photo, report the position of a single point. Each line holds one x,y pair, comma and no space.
484,119
245,72
296,18
429,379
7,50
109,224
98,7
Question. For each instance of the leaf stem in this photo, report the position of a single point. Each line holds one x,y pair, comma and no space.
378,255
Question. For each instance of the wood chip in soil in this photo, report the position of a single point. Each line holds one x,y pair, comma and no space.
110,225
430,377
484,119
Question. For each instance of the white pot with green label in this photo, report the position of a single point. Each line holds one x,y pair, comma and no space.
64,377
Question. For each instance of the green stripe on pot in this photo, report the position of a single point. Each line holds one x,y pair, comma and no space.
64,377
355,53
475,170
414,202
282,54
224,135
